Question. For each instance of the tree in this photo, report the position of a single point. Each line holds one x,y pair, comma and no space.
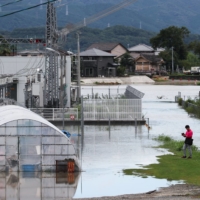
195,47
5,49
128,62
172,37
192,60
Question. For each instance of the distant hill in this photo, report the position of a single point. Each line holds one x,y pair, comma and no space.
151,15
128,36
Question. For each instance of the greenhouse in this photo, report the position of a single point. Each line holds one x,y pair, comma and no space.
28,142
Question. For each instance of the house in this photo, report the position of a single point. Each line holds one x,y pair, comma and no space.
147,60
116,49
147,63
96,63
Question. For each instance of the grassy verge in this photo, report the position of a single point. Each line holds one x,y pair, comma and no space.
172,167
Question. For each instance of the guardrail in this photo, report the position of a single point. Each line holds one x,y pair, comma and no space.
57,114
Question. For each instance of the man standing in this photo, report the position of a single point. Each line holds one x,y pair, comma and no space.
188,141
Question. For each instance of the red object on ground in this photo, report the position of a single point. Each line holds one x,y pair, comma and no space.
72,117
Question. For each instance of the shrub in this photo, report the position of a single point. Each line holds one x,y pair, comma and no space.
180,100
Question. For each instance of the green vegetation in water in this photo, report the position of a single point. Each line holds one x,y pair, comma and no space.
191,106
172,167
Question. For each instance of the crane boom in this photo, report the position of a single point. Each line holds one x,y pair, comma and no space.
95,17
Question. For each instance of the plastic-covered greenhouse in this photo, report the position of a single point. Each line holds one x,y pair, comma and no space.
28,142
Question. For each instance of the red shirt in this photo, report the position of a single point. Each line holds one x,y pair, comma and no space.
189,133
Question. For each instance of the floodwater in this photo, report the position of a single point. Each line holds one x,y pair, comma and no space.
105,152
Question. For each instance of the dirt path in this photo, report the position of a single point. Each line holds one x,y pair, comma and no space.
174,192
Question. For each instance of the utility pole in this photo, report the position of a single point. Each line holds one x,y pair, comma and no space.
172,60
78,68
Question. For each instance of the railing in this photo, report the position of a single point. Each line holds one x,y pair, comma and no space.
57,114
113,109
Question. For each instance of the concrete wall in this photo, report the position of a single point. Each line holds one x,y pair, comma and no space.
12,64
22,65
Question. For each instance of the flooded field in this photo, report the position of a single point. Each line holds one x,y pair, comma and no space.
105,152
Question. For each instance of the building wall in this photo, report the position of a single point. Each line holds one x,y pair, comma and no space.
143,65
103,65
118,51
23,65
12,64
98,65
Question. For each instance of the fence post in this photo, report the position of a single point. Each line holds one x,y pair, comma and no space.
82,117
63,118
136,125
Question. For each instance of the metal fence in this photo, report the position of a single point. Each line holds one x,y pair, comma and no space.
113,109
57,114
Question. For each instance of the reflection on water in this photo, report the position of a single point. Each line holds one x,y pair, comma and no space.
105,152
37,186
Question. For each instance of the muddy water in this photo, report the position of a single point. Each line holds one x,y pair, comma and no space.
105,153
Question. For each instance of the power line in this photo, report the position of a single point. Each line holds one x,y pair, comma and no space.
50,1
10,3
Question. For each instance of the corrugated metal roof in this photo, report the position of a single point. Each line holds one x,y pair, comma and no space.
96,52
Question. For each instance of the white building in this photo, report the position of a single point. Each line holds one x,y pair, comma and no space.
17,72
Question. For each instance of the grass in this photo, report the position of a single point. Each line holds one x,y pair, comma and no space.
172,167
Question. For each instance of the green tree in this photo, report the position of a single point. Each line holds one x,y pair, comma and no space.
192,60
172,37
194,46
128,62
120,71
5,49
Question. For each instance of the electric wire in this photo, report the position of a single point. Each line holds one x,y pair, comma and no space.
14,12
10,3
97,16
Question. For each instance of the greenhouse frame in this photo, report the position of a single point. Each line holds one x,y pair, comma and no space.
28,142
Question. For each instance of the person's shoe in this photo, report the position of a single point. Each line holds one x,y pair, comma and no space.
183,157
189,157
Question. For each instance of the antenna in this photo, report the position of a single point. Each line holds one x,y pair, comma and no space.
84,21
140,25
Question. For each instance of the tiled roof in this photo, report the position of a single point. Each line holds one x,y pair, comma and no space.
151,57
141,47
96,52
134,55
105,46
